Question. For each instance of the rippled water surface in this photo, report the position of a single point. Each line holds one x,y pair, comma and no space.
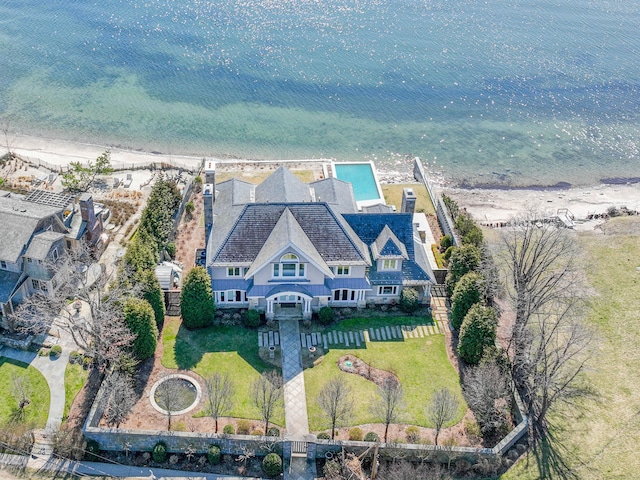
507,91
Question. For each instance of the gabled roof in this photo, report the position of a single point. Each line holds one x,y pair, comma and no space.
20,220
338,193
388,245
8,283
241,191
282,186
41,244
287,233
242,241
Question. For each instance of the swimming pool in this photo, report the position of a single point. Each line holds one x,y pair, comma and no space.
362,177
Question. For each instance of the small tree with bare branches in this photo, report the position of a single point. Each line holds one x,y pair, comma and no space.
390,403
220,393
336,402
266,394
121,397
441,409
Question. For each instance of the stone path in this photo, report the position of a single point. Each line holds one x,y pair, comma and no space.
358,338
295,402
439,313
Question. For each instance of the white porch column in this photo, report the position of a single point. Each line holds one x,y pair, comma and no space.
269,313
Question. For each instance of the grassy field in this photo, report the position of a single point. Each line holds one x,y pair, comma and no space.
602,441
38,410
218,349
393,196
74,378
421,364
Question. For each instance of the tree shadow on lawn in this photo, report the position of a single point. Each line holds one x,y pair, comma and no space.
191,345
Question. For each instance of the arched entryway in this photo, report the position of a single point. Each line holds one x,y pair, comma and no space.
289,300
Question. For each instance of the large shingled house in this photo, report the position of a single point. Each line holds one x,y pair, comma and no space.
288,244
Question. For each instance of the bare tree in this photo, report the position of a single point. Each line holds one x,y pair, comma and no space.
390,403
335,401
121,398
220,393
102,332
168,397
441,409
549,344
266,394
487,394
405,470
21,393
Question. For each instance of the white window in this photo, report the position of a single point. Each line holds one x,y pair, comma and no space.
289,266
389,264
233,272
343,270
388,290
233,296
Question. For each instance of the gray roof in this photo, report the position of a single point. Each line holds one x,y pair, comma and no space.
329,234
337,193
8,283
41,244
377,208
20,220
282,186
388,245
288,233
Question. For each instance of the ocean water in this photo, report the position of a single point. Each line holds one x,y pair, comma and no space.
507,92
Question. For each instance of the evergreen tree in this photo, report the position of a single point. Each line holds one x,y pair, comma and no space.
467,293
478,331
463,260
140,319
196,299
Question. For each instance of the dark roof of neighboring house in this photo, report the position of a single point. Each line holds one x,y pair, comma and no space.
333,238
337,193
41,244
369,226
20,220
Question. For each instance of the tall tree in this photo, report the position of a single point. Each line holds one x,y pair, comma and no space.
441,409
266,393
478,332
487,393
121,397
220,393
469,291
336,402
141,321
463,260
196,299
549,344
80,178
390,404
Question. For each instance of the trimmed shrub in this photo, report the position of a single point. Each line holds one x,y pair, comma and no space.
75,357
229,430
463,260
371,437
244,427
409,300
159,452
141,321
272,465
326,315
448,252
273,432
413,434
189,208
478,332
324,436
214,455
56,350
251,318
355,434
445,243
257,433
171,249
468,292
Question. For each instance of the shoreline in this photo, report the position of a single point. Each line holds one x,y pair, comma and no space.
487,203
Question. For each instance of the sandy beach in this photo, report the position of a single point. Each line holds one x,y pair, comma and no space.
486,205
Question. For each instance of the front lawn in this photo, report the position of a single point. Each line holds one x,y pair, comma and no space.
421,364
38,410
232,349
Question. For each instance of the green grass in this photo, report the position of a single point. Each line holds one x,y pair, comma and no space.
218,349
602,441
393,196
38,410
74,378
421,364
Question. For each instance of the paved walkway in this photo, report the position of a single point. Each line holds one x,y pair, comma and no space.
295,402
439,313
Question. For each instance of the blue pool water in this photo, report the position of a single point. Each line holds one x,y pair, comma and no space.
361,177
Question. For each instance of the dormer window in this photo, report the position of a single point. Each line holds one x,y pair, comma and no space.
233,271
55,254
343,270
289,266
389,264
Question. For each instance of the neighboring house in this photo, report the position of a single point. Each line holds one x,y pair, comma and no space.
284,243
36,230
